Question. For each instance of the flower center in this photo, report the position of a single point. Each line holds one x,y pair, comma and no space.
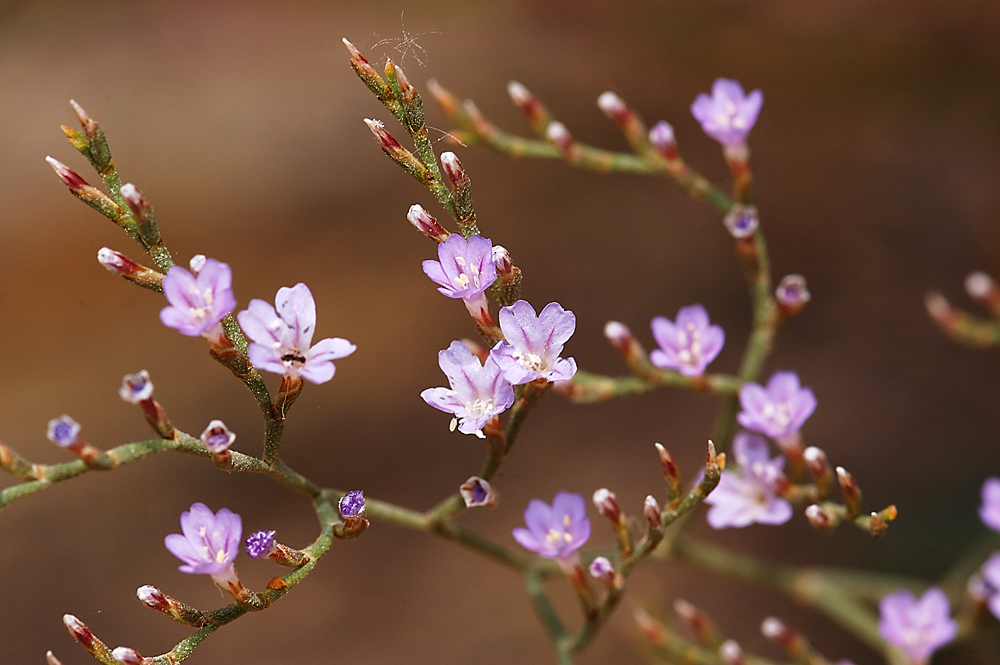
532,361
293,358
479,407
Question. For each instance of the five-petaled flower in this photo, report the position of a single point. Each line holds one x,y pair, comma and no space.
729,114
478,391
740,499
534,343
282,337
198,303
989,511
687,345
209,544
779,410
556,531
465,270
918,627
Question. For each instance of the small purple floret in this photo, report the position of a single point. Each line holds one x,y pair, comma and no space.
534,343
687,345
136,387
779,410
478,391
729,114
743,498
991,578
259,544
63,431
477,492
918,627
282,336
352,504
217,437
989,512
556,531
198,303
210,541
464,268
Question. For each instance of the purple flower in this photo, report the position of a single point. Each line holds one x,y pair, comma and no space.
136,388
779,410
63,431
991,576
534,343
729,114
282,339
217,437
198,304
210,542
688,345
464,269
259,544
556,531
918,627
478,391
477,492
989,512
742,499
352,505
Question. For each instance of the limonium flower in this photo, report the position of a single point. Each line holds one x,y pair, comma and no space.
991,576
556,531
749,496
989,512
198,302
465,270
534,343
478,390
918,627
687,345
729,114
779,410
209,544
282,337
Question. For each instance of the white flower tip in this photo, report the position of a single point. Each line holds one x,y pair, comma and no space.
731,652
129,191
617,332
50,659
602,495
979,285
197,262
147,593
374,125
127,656
937,306
813,454
611,104
518,93
557,133
772,628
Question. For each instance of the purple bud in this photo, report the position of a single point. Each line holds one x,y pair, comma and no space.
559,136
662,138
602,570
63,431
425,223
742,221
136,387
792,293
217,437
260,544
477,492
127,656
352,505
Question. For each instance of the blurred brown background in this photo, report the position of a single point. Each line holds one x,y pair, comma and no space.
877,157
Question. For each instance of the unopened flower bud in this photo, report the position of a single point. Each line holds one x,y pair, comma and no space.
405,87
982,288
529,105
385,139
64,432
120,264
502,262
742,221
698,621
602,570
452,168
69,177
731,653
775,630
217,438
84,636
127,656
654,631
477,492
88,124
352,510
661,136
184,614
792,294
262,545
197,262
607,504
143,213
559,136
50,659
651,510
849,488
619,335
613,106
876,525
821,519
136,387
425,223
819,468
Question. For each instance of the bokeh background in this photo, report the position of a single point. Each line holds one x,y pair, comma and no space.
877,157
